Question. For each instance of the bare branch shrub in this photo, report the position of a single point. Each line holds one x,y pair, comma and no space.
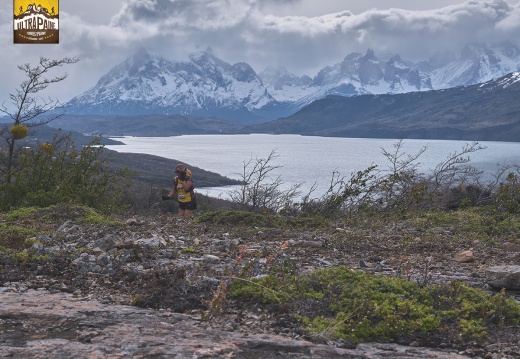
400,186
348,195
259,191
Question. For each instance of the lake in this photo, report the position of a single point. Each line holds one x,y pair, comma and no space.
307,159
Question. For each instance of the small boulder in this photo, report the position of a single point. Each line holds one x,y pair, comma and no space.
507,277
131,222
511,247
464,256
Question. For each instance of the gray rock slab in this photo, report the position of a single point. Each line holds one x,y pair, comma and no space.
507,277
39,324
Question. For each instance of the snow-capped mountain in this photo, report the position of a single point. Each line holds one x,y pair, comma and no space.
205,85
477,64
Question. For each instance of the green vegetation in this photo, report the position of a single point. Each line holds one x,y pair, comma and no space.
237,218
339,303
36,217
188,250
43,178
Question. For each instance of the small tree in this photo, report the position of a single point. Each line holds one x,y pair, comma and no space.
28,108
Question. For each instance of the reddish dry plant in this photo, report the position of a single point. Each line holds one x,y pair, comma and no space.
218,301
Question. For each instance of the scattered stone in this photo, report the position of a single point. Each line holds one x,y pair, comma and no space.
107,242
323,261
44,238
111,265
154,241
211,258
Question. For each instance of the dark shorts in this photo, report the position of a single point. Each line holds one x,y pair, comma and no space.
190,206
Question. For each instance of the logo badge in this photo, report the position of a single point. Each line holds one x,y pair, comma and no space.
36,23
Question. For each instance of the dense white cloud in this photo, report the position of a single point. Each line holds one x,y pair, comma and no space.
254,31
247,30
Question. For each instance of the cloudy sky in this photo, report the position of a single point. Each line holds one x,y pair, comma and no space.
301,35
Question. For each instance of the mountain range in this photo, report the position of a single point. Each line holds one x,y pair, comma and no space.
206,86
485,112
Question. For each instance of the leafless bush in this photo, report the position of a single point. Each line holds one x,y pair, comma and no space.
400,186
259,191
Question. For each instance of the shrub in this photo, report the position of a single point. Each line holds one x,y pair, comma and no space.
58,172
48,148
339,303
508,194
259,191
465,196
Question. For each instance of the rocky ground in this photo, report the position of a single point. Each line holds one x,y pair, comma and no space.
146,289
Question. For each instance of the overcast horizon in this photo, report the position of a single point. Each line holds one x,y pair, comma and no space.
300,35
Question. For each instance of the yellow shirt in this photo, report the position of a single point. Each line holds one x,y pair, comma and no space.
182,194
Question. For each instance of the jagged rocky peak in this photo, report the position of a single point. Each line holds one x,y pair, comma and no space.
242,72
370,70
206,58
137,65
394,68
323,76
140,56
397,71
203,84
271,74
351,62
